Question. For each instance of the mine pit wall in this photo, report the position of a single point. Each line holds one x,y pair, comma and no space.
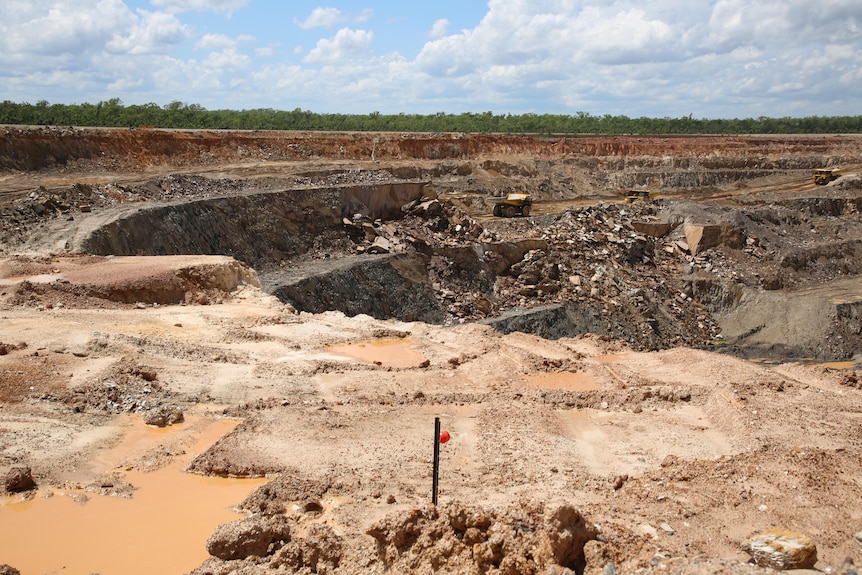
848,322
759,328
825,206
572,319
848,252
37,148
398,286
382,201
686,172
384,287
260,230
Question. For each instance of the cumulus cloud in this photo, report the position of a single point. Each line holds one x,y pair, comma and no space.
220,41
152,32
57,31
526,34
228,59
320,18
440,28
331,17
580,51
214,42
346,45
52,28
227,6
713,58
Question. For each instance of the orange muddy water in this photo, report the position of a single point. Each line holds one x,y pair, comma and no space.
163,528
839,364
397,353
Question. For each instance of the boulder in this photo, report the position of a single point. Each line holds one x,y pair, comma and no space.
8,570
703,237
380,246
566,534
19,479
163,416
653,229
320,551
252,536
781,549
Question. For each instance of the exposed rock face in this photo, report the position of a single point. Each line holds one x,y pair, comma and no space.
782,549
257,229
30,149
19,479
253,536
380,286
703,237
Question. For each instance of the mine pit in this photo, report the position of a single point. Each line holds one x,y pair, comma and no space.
301,313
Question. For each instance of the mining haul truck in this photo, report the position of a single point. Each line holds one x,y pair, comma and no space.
514,204
826,175
635,195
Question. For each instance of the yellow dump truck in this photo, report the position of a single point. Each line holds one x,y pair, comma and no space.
513,205
825,175
635,195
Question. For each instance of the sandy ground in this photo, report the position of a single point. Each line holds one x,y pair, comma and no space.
712,447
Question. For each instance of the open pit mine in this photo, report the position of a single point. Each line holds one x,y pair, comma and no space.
225,351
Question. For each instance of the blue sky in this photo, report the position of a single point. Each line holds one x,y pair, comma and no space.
664,58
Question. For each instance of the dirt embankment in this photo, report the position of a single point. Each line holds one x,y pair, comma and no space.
617,161
29,149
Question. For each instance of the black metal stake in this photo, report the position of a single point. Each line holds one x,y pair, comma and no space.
436,460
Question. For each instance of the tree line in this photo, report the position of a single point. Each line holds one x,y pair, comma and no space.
179,115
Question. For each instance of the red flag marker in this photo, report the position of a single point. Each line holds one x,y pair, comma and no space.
444,437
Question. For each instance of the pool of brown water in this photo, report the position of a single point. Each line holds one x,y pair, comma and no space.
162,528
397,353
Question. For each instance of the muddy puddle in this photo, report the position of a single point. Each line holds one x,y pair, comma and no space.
36,279
839,364
162,528
564,380
397,353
